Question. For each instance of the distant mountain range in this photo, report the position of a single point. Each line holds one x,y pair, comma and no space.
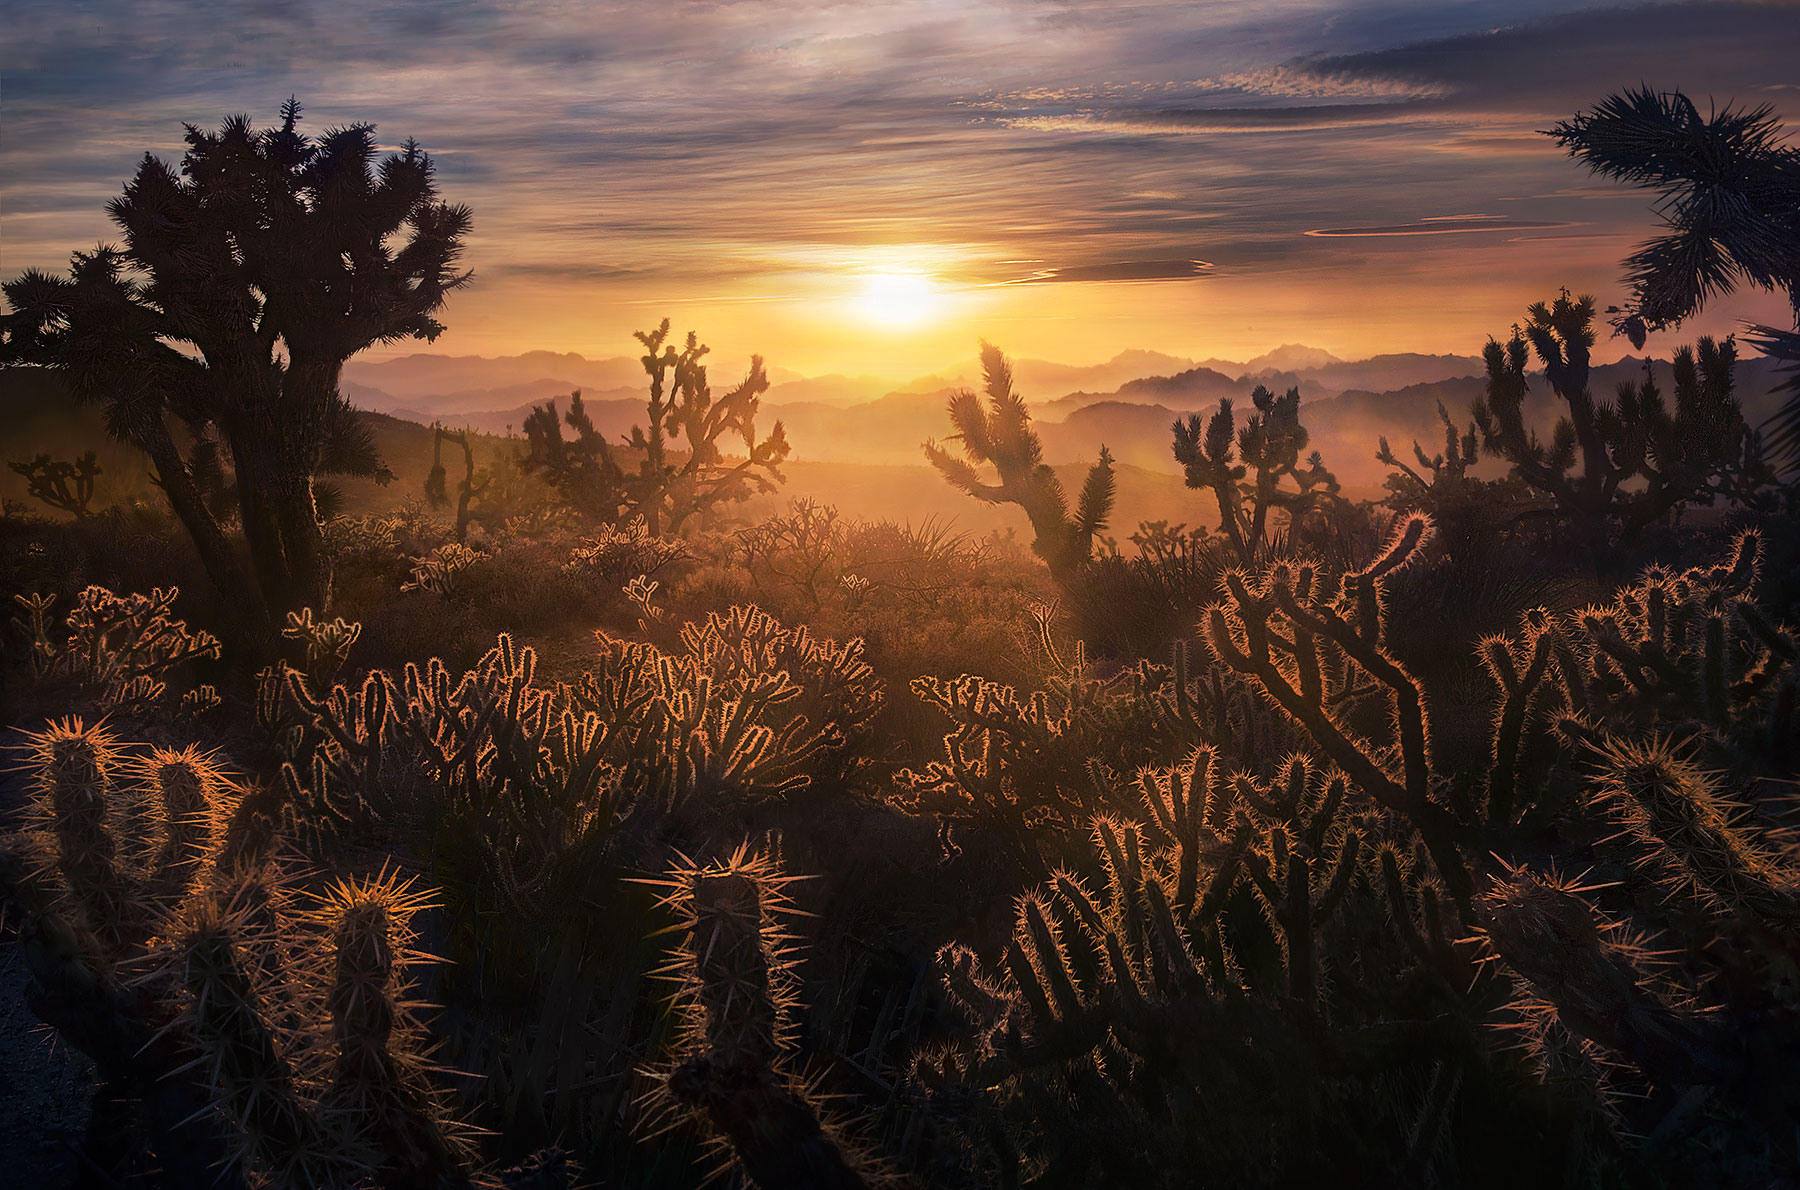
1129,402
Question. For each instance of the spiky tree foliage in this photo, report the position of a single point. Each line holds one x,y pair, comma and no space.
1001,436
1628,463
65,485
246,279
1270,445
1728,193
735,992
683,471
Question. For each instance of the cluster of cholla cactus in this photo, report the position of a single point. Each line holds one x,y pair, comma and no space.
1027,768
1389,941
436,572
1002,436
119,649
746,710
1209,977
494,748
256,1040
1269,444
736,999
620,552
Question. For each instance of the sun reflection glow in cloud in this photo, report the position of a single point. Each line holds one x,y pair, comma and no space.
899,301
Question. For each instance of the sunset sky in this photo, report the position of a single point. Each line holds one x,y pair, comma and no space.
870,187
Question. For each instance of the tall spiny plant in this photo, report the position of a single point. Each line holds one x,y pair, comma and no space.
683,472
262,237
1270,444
1630,462
1002,436
736,992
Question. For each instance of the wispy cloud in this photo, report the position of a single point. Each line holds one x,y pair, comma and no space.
635,151
1440,225
1124,270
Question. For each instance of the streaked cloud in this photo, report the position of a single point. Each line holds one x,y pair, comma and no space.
1441,225
629,153
1124,270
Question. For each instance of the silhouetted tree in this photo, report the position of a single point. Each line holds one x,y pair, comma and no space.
1628,463
1729,195
469,489
1002,435
681,472
61,483
1270,444
245,281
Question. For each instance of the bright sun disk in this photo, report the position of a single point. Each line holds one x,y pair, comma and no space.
898,300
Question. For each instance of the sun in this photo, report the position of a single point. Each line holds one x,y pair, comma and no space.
899,301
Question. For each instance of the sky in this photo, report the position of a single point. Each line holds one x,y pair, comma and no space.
870,188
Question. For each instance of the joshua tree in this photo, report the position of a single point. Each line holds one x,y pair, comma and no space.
1003,436
1729,196
60,483
669,487
468,490
1694,453
1270,444
246,279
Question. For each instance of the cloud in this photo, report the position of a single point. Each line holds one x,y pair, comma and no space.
1124,270
614,151
1440,225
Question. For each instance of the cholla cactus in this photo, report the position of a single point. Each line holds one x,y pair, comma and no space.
1690,646
327,642
1689,837
492,743
437,571
1312,648
1595,978
1023,766
748,709
119,647
736,994
319,1064
614,552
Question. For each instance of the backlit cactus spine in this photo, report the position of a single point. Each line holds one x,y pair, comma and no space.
316,1059
735,996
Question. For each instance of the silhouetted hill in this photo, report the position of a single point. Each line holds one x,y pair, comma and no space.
1289,357
445,377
